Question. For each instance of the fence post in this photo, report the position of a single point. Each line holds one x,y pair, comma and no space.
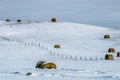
19,41
80,58
85,58
96,58
62,56
58,54
66,57
90,58
31,44
42,47
25,43
70,56
6,39
39,44
13,40
75,57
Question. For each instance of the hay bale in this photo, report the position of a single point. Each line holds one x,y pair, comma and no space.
118,54
7,20
19,20
57,46
107,36
108,57
29,74
50,66
111,50
44,65
53,20
40,64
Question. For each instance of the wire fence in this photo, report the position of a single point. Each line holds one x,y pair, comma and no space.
73,57
52,52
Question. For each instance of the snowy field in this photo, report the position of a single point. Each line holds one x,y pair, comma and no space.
81,56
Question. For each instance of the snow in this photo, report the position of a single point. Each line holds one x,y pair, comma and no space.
81,56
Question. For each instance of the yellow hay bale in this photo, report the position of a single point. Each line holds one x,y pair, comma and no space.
111,50
53,20
107,36
7,20
19,20
50,66
108,57
118,54
56,46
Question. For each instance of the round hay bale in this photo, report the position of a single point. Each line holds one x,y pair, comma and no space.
111,50
107,36
53,20
57,46
19,20
50,66
7,20
118,54
40,64
108,57
29,74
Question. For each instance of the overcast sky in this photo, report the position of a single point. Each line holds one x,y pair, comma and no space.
95,12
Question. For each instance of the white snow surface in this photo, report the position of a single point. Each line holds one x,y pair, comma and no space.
81,56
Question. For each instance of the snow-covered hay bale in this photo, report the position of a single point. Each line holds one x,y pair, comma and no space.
7,20
108,57
56,46
19,20
107,36
53,20
40,64
44,65
118,54
50,66
111,50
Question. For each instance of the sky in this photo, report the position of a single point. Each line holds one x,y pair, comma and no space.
104,13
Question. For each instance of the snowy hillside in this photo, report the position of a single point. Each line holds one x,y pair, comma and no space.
81,55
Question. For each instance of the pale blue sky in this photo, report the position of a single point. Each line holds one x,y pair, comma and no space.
95,12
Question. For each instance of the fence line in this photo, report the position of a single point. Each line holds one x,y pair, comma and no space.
76,58
25,43
52,53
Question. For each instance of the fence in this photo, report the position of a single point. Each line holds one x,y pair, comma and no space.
77,58
23,42
51,52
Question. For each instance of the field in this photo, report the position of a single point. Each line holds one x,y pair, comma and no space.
81,56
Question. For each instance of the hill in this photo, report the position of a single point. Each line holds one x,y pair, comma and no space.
81,56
